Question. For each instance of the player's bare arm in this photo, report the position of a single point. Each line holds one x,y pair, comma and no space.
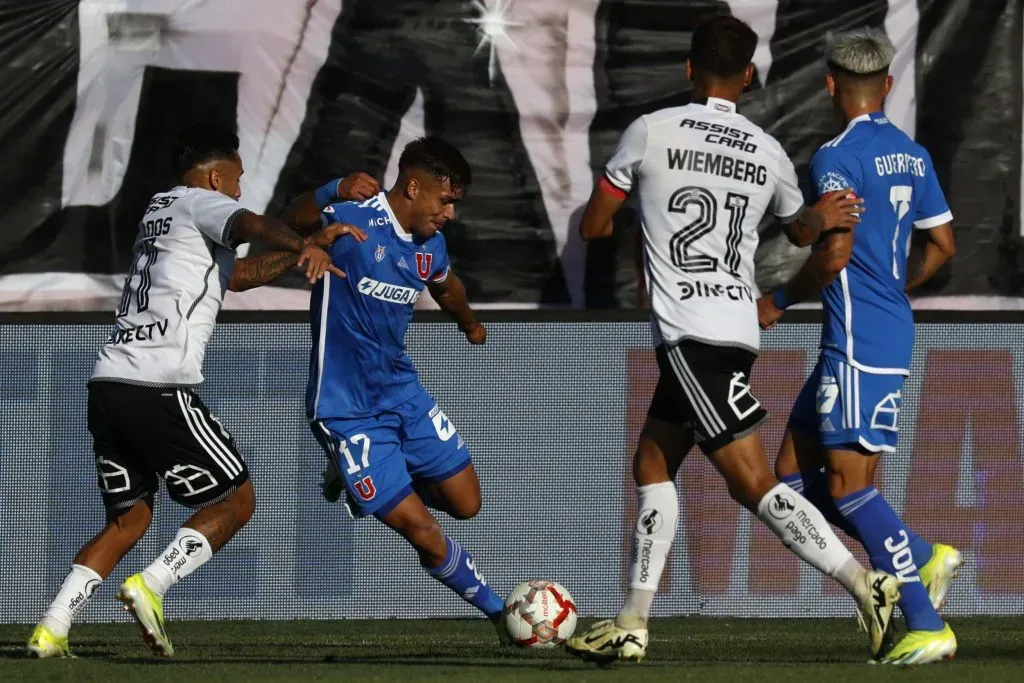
303,214
450,295
823,266
839,210
273,234
256,271
604,201
940,247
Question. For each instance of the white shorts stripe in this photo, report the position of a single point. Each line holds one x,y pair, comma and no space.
204,425
856,398
687,389
211,449
709,418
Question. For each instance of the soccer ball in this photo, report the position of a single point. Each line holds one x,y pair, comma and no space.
540,614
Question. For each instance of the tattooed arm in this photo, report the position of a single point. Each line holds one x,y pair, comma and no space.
818,272
256,271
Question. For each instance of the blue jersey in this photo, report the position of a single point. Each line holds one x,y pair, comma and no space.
868,322
358,365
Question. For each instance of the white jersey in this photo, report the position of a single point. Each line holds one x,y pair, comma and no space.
181,265
706,176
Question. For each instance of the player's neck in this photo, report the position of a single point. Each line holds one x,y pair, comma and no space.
721,91
400,209
851,108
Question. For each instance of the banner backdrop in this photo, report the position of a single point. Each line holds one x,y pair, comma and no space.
551,413
535,92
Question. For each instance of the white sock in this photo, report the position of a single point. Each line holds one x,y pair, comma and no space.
803,530
187,552
79,585
655,530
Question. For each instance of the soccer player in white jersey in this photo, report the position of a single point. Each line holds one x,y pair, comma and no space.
846,416
705,177
146,420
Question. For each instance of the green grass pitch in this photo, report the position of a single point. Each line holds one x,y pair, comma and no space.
684,649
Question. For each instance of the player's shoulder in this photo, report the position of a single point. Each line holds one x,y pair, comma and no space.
363,213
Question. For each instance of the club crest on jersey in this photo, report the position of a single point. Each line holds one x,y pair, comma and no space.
423,263
379,254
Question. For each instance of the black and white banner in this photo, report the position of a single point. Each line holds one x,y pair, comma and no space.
535,92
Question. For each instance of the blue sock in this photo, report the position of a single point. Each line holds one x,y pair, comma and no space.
888,544
459,573
814,485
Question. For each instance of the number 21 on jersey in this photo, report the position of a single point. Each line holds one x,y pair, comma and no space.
702,203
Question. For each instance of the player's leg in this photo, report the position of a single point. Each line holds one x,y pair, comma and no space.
127,488
716,384
439,463
203,470
868,409
801,464
438,459
442,557
664,442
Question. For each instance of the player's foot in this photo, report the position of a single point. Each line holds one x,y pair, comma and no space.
45,644
876,593
938,574
606,642
148,609
504,639
922,647
333,484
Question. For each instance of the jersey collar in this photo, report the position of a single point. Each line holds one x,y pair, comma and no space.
876,116
396,226
718,104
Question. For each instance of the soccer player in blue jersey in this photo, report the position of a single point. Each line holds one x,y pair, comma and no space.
385,437
848,409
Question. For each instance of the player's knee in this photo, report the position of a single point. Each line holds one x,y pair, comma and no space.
466,507
243,503
133,523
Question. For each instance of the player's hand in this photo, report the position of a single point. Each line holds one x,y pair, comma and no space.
358,185
476,334
840,209
767,312
317,262
326,237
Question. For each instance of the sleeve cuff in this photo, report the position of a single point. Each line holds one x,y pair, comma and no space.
226,237
609,186
441,277
328,194
934,221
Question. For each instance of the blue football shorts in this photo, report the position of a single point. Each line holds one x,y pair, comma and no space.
848,408
382,456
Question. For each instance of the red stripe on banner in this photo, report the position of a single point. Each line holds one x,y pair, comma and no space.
609,188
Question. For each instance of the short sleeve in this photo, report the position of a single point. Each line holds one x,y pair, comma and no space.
329,215
788,199
621,170
932,210
832,170
442,266
214,213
